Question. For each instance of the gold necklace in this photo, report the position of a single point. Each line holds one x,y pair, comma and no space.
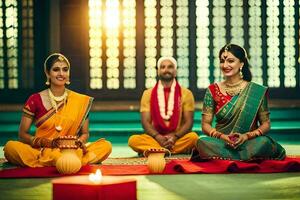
233,89
53,101
60,98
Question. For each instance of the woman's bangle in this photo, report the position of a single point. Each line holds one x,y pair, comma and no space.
260,132
35,142
218,134
212,132
255,133
251,135
40,142
32,139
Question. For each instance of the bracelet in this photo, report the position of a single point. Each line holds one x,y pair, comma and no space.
218,134
79,143
40,142
260,132
251,135
212,132
248,136
32,138
255,133
34,142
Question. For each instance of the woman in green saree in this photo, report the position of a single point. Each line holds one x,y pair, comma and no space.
241,111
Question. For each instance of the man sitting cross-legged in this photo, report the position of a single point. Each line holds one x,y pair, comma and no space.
167,112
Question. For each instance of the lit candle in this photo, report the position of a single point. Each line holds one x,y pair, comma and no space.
97,177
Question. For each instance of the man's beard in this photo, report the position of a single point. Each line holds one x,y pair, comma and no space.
166,78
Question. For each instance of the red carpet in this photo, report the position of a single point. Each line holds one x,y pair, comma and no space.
173,167
228,166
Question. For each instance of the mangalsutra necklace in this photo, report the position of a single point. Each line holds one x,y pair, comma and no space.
53,101
233,89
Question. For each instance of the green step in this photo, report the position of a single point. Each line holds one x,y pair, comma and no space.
284,126
132,116
282,120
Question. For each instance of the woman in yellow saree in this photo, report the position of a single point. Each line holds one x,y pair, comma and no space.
241,111
56,112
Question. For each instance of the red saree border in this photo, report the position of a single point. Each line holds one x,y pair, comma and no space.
50,113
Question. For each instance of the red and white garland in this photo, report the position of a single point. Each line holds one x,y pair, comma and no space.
161,101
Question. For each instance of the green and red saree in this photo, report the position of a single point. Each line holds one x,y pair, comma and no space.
241,113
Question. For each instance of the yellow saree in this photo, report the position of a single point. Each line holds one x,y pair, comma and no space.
70,117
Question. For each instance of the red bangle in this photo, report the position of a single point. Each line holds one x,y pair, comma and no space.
260,131
248,136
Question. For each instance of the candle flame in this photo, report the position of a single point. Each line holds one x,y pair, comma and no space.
97,177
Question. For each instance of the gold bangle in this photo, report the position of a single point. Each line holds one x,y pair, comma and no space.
248,136
35,141
32,138
80,140
212,132
251,135
219,134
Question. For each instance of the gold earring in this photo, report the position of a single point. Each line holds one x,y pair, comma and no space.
68,82
241,73
47,82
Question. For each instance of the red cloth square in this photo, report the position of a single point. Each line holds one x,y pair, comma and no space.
80,187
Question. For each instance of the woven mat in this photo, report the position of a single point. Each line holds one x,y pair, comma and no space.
141,160
114,161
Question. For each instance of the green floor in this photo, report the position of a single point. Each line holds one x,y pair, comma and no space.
179,187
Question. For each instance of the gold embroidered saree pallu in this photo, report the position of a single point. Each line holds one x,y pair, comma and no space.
238,115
